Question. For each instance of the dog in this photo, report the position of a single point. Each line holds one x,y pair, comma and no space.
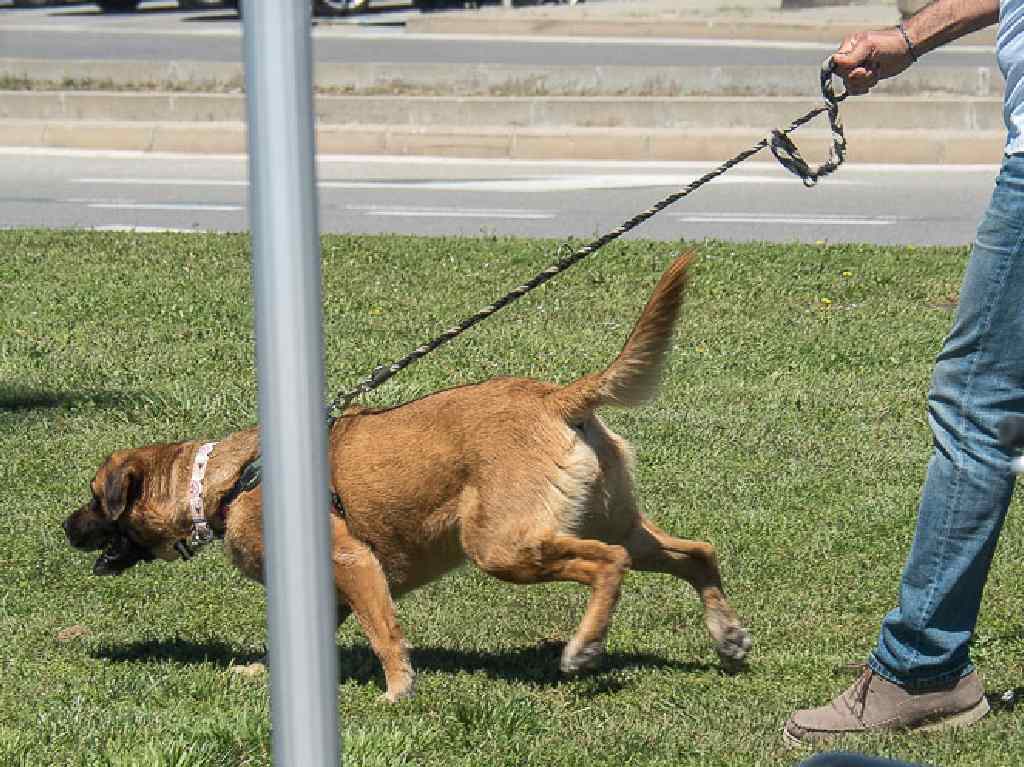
519,476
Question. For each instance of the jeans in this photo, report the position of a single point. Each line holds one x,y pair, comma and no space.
978,380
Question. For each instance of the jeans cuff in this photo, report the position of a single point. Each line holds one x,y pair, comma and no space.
921,681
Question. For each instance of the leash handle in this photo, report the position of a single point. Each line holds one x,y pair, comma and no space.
828,71
787,153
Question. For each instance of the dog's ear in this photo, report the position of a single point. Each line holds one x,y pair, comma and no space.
121,488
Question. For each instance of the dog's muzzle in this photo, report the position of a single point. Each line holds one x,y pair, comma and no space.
120,554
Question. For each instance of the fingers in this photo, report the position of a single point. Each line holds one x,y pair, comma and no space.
861,80
865,58
855,63
854,51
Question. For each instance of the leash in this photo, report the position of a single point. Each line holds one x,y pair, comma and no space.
782,147
777,140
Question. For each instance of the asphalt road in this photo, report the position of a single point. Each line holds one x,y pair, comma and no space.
907,205
916,205
160,32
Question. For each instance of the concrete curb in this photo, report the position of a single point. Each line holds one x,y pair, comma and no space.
476,113
874,146
506,80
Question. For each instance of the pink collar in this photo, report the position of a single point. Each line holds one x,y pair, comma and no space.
201,532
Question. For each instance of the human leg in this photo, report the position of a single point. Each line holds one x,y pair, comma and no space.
977,382
920,672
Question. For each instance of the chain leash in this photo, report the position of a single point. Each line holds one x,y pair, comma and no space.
782,147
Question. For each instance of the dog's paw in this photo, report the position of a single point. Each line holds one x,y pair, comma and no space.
402,688
734,645
250,669
397,696
576,658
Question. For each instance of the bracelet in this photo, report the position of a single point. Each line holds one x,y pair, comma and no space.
906,39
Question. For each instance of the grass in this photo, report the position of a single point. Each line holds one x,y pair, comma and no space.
9,82
526,86
791,432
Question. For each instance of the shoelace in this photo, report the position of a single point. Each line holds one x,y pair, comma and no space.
860,692
853,668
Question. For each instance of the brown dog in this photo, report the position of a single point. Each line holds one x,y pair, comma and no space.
519,476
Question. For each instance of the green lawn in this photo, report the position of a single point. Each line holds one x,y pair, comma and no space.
790,432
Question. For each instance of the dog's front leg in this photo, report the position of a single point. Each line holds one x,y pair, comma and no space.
363,587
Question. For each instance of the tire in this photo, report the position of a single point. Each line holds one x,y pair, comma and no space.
320,7
117,6
337,7
199,5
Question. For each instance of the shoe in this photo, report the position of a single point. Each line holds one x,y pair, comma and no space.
872,704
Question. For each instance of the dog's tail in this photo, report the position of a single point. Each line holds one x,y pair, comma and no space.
633,376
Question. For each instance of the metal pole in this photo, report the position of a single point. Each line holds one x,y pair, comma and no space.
289,352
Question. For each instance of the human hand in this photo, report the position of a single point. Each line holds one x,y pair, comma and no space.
864,58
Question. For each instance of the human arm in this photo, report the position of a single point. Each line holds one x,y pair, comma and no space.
864,58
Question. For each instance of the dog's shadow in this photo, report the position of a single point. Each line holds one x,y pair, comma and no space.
15,398
536,665
181,651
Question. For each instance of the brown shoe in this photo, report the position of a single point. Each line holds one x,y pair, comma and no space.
873,703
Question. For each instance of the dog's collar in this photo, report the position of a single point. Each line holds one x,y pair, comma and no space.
201,532
248,479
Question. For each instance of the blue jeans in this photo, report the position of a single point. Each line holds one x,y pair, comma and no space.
978,380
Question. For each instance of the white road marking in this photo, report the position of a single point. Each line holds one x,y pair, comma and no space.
439,212
119,181
133,155
760,218
554,183
163,206
147,229
398,213
413,161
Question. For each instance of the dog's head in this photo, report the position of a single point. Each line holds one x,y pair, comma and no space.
132,516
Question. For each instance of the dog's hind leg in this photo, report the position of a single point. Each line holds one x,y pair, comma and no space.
363,589
655,550
566,558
